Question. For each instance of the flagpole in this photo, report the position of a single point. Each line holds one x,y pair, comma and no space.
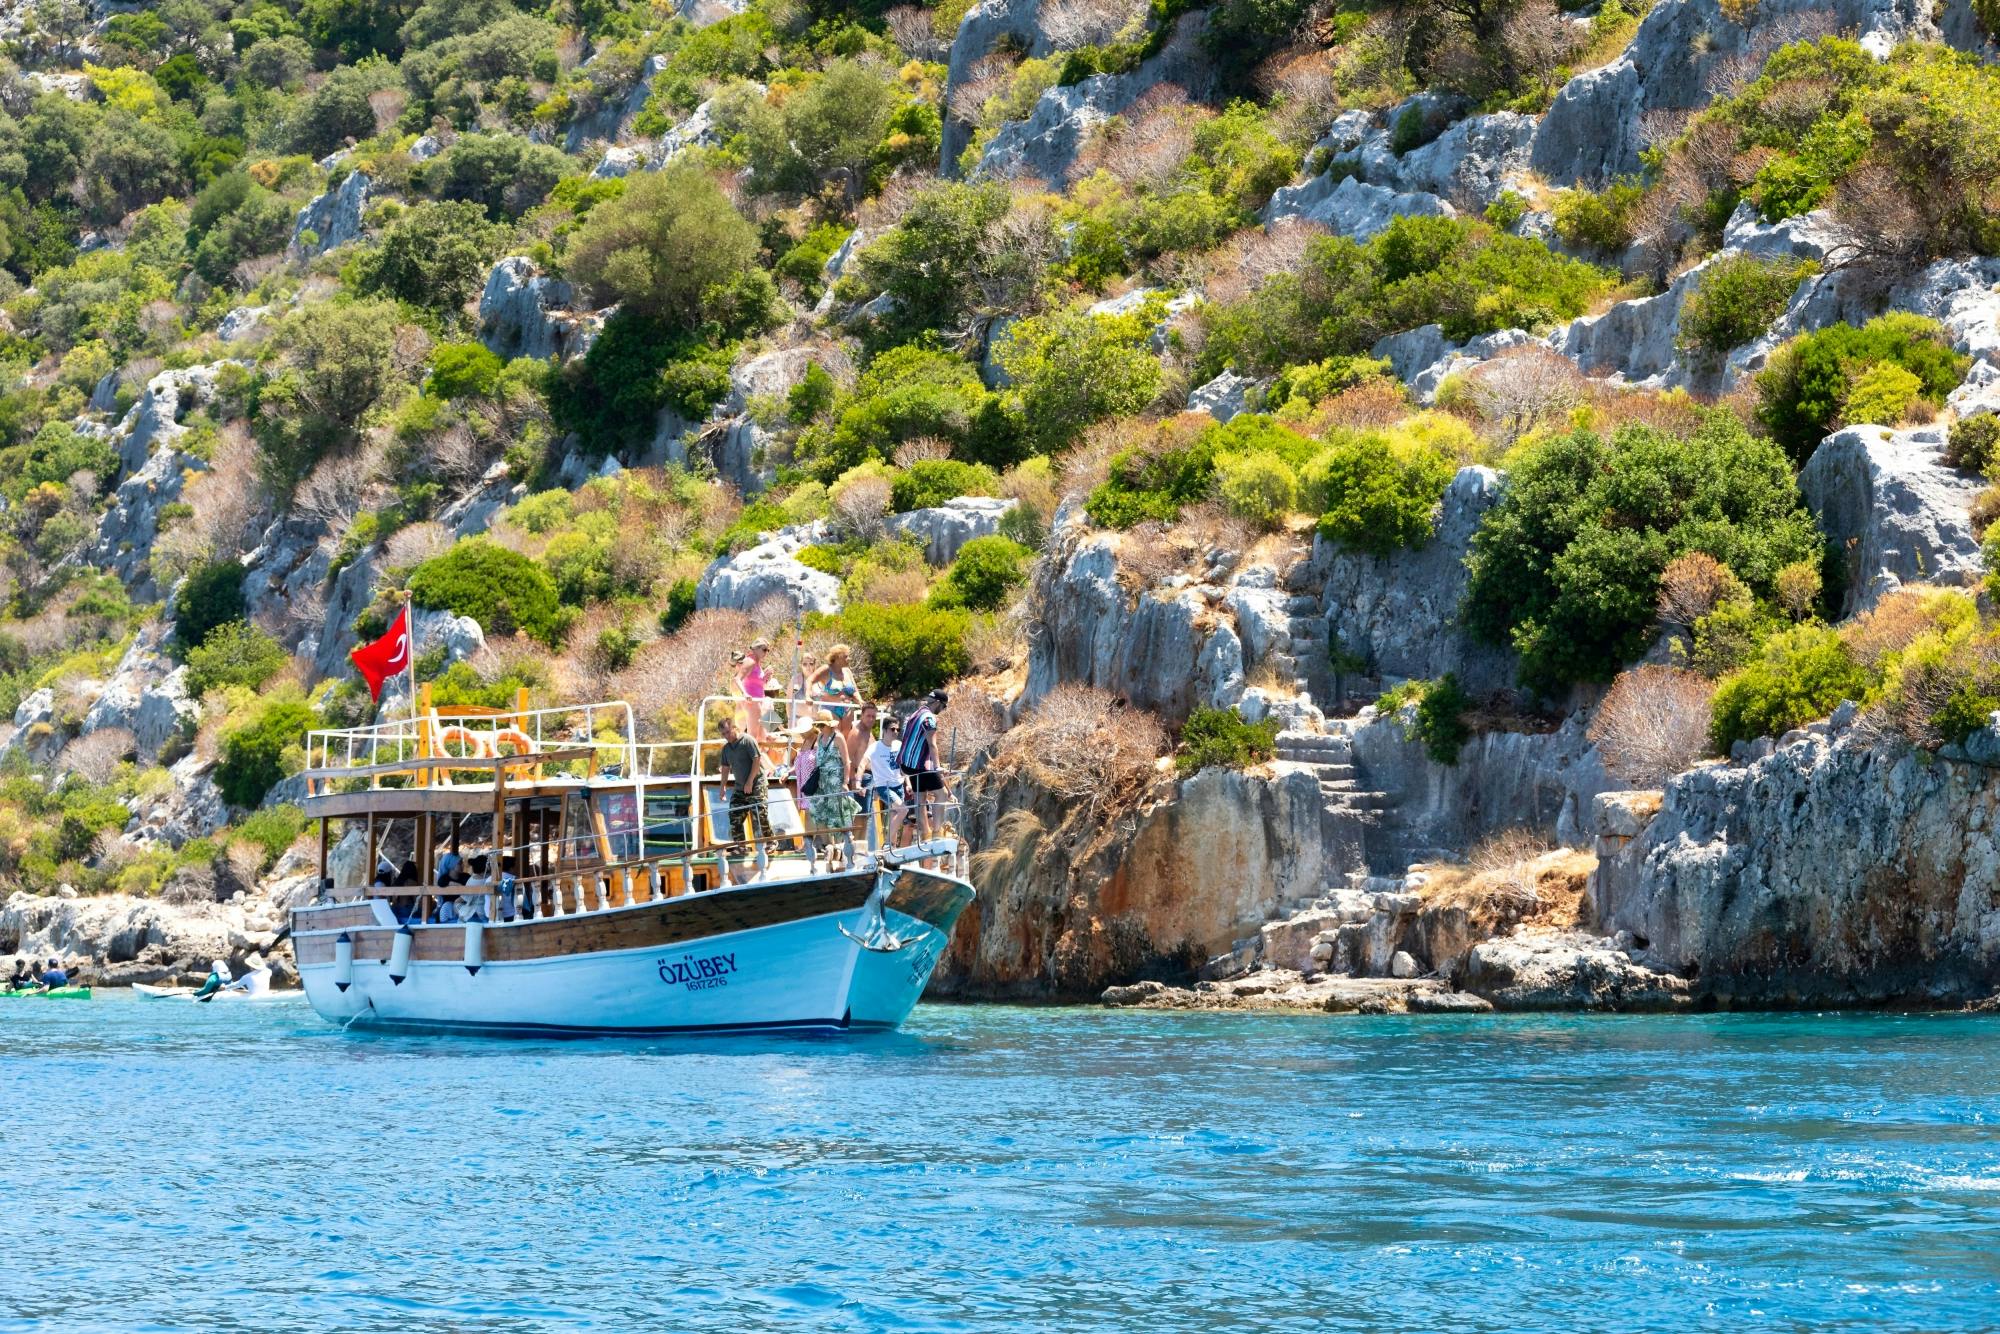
410,657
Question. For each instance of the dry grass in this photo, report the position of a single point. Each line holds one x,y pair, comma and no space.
1653,724
1694,585
1251,257
1081,745
1894,623
1514,876
892,586
416,543
677,670
1522,388
96,755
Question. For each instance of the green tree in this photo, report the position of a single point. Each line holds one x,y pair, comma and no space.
503,174
334,361
661,248
985,574
1375,494
234,653
1071,369
211,595
131,163
501,589
254,751
435,257
1566,567
1803,390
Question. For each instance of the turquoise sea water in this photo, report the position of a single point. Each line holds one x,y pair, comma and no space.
167,1166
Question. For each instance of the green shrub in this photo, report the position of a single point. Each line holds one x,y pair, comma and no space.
1735,301
1881,395
1346,296
54,454
1600,221
1219,738
987,571
1153,484
1258,487
1801,674
663,248
234,653
211,595
911,649
1322,380
1411,131
1375,494
1439,720
463,370
824,559
930,482
812,395
1566,567
1803,392
255,751
906,393
805,262
1506,210
1071,369
271,830
1974,442
501,589
435,256
680,605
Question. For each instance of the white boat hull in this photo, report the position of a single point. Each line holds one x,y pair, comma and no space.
807,974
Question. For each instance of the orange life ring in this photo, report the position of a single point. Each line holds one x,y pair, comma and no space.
523,745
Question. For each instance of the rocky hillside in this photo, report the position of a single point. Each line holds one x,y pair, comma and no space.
1387,427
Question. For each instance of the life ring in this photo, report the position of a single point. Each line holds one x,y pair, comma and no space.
523,745
475,744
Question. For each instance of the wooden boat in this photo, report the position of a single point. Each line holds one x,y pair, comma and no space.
611,911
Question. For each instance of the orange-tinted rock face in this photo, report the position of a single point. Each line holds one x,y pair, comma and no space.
1069,905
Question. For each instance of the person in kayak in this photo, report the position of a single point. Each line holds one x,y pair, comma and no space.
218,978
23,978
54,976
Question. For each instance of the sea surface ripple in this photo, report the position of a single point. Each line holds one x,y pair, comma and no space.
165,1166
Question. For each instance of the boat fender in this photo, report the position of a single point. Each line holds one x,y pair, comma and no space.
343,962
475,947
399,955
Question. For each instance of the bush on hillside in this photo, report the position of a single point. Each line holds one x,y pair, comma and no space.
1374,494
665,248
1072,369
434,256
911,649
254,751
1735,301
1599,221
501,589
930,482
1567,567
1347,295
1259,487
234,653
1973,443
1804,390
1220,739
1801,675
210,596
1153,482
986,573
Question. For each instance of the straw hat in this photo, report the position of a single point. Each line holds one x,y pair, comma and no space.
805,727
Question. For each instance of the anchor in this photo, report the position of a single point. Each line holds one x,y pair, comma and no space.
876,936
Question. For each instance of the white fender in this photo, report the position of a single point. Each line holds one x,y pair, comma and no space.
399,955
343,962
475,947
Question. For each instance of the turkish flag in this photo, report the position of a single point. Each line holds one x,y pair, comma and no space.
386,656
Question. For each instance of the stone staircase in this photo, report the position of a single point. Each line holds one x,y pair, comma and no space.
1350,812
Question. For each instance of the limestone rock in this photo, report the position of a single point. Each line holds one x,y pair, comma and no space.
523,313
155,471
1223,397
985,27
1145,647
1886,501
770,569
1829,871
333,219
241,322
1470,164
618,162
147,696
1044,146
1399,613
1350,207
942,530
608,121
1595,129
1555,970
697,131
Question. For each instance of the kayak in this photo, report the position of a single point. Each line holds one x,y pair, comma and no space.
187,994
57,993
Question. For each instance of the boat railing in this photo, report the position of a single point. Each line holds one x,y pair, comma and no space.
402,746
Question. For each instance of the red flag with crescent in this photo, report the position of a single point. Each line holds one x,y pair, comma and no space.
386,656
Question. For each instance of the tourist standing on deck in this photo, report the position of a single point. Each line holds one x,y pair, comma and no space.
830,807
745,792
884,779
833,685
753,680
918,758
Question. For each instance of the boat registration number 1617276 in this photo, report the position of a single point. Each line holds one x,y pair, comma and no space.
698,972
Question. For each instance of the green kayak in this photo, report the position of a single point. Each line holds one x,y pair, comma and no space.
59,993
